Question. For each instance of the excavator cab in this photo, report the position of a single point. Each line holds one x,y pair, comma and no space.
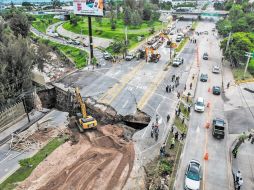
83,121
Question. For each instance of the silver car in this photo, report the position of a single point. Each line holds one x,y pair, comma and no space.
193,176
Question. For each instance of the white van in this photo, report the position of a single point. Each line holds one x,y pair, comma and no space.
200,105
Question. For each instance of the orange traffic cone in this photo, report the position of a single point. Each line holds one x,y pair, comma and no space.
206,156
207,125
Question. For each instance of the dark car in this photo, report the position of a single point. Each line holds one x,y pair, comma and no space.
205,56
216,90
203,77
193,176
218,128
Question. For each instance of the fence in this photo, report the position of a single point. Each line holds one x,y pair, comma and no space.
10,115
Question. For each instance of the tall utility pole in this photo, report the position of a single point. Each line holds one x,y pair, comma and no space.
249,55
90,38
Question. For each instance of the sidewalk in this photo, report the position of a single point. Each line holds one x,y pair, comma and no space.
21,125
244,163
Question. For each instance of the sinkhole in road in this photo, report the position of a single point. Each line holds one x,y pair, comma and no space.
106,114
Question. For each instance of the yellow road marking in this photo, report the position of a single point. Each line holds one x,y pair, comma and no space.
153,86
112,93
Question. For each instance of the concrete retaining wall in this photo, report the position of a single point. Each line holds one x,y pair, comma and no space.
11,115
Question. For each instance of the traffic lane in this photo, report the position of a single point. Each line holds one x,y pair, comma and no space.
100,81
217,175
216,170
141,82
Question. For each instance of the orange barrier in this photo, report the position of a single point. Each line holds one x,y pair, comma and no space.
206,156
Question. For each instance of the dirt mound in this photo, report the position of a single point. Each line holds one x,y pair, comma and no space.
100,160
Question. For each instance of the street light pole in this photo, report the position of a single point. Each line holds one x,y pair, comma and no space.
249,55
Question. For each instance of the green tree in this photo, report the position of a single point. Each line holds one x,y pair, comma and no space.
19,24
240,25
136,19
127,15
235,12
56,3
224,27
240,43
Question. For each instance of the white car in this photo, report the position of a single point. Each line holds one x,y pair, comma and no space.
177,61
216,69
200,105
193,176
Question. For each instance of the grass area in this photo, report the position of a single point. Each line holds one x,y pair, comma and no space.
181,45
165,167
180,126
29,164
239,72
194,25
43,21
104,30
177,153
184,110
78,56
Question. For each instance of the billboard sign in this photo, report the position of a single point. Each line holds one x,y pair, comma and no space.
88,7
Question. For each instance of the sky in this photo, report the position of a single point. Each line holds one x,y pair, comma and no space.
31,1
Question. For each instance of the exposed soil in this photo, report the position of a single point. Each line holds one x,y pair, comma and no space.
101,159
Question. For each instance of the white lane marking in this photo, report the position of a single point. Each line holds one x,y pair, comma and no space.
125,104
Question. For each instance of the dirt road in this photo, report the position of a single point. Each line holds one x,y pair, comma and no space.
101,159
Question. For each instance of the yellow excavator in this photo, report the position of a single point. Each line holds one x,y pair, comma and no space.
83,121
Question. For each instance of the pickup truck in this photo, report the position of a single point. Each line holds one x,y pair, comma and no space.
218,128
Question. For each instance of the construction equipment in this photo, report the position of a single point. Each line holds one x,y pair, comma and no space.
83,121
154,57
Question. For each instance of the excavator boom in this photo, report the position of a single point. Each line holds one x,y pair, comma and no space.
81,103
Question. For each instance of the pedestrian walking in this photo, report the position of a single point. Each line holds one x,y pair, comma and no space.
172,129
187,99
249,137
163,150
189,108
178,95
176,112
167,89
190,86
228,85
176,135
193,76
252,140
235,151
238,176
168,118
184,87
157,119
182,135
240,183
152,131
183,120
173,88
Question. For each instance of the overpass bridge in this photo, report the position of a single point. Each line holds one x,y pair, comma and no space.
201,13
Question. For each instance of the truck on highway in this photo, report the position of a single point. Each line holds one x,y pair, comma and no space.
218,128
